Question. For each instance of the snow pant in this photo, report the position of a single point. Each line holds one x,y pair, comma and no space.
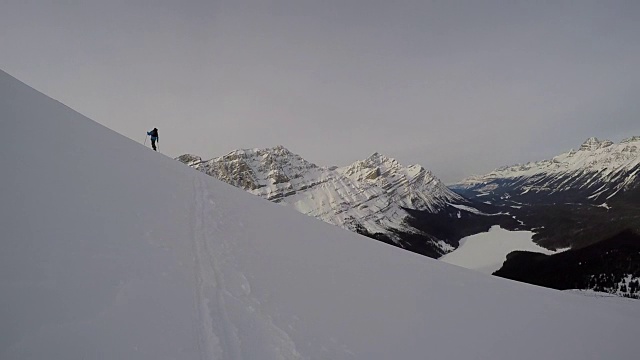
153,143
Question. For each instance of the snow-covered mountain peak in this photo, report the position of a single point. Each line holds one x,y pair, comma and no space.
275,155
411,181
633,139
254,169
599,164
593,143
371,168
378,167
593,156
377,159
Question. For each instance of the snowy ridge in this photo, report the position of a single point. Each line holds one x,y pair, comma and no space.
599,168
369,194
100,260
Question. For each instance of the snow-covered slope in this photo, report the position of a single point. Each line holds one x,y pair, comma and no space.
368,195
597,171
112,251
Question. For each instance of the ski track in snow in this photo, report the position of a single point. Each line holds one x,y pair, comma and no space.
223,297
207,286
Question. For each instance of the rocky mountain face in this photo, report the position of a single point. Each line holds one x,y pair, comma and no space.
373,196
587,200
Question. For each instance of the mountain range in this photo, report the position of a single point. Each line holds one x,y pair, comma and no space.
572,201
99,260
377,196
595,173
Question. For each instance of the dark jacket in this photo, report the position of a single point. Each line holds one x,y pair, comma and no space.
154,134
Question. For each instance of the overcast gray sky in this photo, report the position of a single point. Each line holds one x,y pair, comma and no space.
460,87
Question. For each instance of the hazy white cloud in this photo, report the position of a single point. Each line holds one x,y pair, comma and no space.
460,87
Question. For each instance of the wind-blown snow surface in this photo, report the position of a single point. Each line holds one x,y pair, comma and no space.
486,252
112,251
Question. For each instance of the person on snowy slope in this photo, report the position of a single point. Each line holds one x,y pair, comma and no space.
154,137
